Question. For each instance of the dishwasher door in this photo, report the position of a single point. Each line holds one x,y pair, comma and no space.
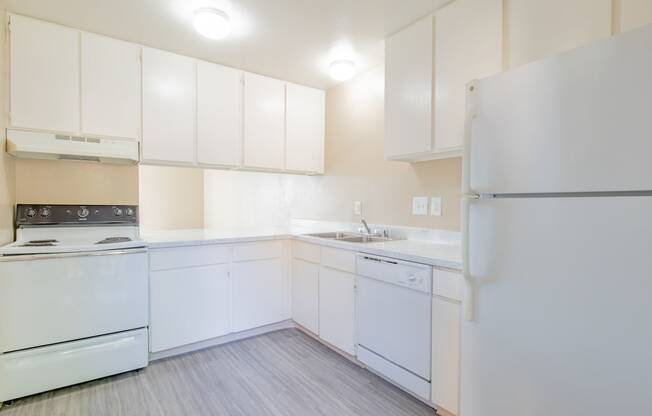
394,312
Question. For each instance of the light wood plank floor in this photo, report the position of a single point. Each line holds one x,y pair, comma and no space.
284,373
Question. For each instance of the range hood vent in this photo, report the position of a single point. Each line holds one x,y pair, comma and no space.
36,145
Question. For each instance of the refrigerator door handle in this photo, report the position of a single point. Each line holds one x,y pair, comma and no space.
468,300
468,196
471,92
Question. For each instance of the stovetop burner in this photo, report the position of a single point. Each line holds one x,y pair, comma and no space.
40,243
111,240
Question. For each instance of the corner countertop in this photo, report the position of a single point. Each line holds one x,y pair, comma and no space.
439,254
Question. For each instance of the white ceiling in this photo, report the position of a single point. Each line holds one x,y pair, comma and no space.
289,39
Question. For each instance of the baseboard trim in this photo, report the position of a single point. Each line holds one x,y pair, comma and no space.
213,342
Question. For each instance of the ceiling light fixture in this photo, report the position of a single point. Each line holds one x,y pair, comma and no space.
342,69
212,23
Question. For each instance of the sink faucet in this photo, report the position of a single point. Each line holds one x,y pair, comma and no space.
366,227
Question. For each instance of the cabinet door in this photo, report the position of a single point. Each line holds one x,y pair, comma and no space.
446,353
44,76
468,46
408,90
189,305
635,13
305,294
110,77
259,293
219,115
264,134
337,308
537,29
168,107
305,114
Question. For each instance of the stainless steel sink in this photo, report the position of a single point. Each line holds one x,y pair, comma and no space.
364,239
335,235
350,237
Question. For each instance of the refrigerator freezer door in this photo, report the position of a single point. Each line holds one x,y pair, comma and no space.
578,122
563,308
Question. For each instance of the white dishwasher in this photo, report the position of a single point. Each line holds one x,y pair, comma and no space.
394,320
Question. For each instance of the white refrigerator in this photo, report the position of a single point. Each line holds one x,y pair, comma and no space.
557,228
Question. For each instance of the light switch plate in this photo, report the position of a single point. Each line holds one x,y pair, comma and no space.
357,207
420,205
435,206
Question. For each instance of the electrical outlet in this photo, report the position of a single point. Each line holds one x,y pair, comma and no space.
357,207
420,205
435,206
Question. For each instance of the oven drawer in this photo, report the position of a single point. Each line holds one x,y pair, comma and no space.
45,299
35,370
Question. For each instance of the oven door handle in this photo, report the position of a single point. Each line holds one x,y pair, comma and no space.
103,253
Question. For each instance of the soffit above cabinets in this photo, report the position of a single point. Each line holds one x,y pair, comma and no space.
286,39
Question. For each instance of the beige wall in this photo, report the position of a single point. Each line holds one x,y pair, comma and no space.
171,197
7,178
168,197
632,13
355,170
69,182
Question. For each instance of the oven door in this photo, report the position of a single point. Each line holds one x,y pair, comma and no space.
51,298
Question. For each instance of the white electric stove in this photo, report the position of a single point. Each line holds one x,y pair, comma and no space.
73,297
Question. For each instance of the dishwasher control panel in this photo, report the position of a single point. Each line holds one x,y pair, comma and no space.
398,272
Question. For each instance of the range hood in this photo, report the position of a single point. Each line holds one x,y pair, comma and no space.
36,145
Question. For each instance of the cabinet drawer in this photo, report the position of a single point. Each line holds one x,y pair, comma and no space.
338,259
258,251
447,284
173,258
305,251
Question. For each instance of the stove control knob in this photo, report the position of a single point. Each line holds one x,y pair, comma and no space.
82,212
130,212
117,211
30,212
45,212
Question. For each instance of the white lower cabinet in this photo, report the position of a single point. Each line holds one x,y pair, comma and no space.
337,308
207,291
189,305
323,293
305,294
259,293
446,321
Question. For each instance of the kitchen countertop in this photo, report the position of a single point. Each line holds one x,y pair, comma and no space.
440,254
200,236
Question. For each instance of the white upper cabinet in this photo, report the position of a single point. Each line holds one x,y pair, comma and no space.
634,13
305,119
184,111
408,91
219,115
110,79
168,108
427,67
44,76
264,135
537,29
468,46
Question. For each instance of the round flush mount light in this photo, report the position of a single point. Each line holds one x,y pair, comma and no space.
212,23
342,70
